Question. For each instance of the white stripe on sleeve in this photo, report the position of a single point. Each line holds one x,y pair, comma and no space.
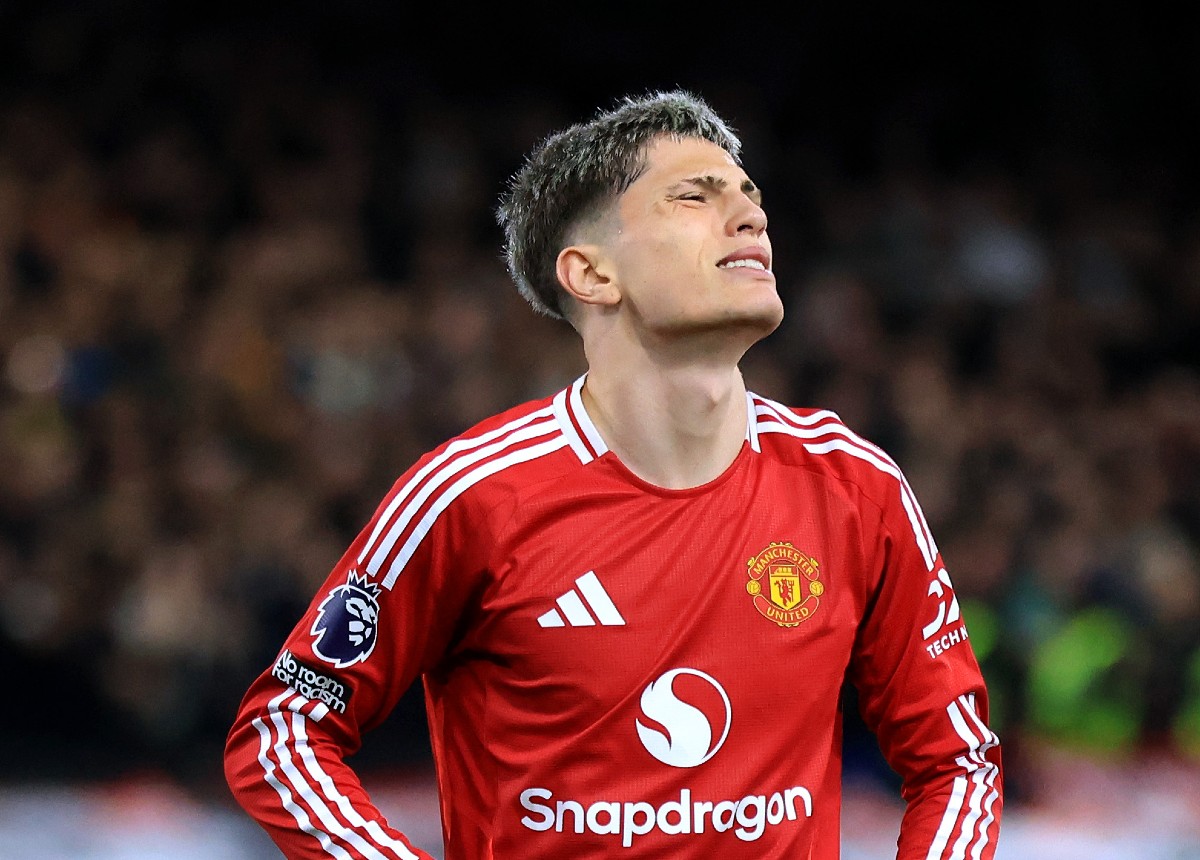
285,795
521,455
451,450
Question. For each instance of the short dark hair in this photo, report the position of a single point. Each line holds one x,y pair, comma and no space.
572,174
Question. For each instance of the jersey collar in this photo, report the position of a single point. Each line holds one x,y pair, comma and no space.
585,439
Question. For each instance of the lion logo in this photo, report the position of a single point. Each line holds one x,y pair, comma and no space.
347,622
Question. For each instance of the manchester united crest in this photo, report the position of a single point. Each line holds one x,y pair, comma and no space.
785,584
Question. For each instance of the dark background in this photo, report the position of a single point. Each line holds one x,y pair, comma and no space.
212,210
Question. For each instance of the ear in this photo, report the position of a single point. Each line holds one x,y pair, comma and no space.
585,273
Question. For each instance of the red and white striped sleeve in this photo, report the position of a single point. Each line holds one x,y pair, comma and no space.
921,690
920,687
386,613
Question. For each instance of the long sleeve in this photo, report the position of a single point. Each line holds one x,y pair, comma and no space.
923,695
367,635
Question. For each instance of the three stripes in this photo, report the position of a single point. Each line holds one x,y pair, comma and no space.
577,615
975,789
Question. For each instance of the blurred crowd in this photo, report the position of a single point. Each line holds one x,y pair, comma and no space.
238,299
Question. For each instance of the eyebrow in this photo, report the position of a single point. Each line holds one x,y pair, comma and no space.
716,184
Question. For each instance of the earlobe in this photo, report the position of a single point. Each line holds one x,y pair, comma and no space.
584,274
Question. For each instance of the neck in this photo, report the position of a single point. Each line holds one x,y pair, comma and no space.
675,426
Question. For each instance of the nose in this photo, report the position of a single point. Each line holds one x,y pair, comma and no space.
747,217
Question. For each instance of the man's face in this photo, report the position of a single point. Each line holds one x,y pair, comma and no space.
692,254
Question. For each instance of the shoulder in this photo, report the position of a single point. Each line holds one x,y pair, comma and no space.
503,456
454,488
819,440
518,444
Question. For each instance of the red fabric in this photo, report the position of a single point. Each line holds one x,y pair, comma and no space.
696,715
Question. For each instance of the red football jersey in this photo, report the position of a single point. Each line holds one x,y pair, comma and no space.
613,669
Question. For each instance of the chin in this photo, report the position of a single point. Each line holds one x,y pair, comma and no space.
747,325
766,316
748,321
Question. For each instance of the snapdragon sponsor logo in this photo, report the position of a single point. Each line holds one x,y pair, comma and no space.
747,818
311,683
685,720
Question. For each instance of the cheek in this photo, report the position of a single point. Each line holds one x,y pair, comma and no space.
666,281
662,271
673,256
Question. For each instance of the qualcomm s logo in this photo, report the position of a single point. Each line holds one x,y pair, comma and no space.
676,732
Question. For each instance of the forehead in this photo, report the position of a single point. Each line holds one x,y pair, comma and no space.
669,160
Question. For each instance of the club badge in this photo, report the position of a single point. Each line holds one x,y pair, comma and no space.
785,584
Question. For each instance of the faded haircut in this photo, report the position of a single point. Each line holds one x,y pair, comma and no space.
574,174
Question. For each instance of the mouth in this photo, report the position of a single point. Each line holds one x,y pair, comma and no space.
752,257
743,264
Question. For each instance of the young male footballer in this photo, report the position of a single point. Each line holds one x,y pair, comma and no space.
633,605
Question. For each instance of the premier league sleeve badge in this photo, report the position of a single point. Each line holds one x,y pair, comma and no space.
347,622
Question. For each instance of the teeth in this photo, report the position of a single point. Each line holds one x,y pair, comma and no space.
744,264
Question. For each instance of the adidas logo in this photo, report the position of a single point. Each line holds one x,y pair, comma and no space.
588,594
